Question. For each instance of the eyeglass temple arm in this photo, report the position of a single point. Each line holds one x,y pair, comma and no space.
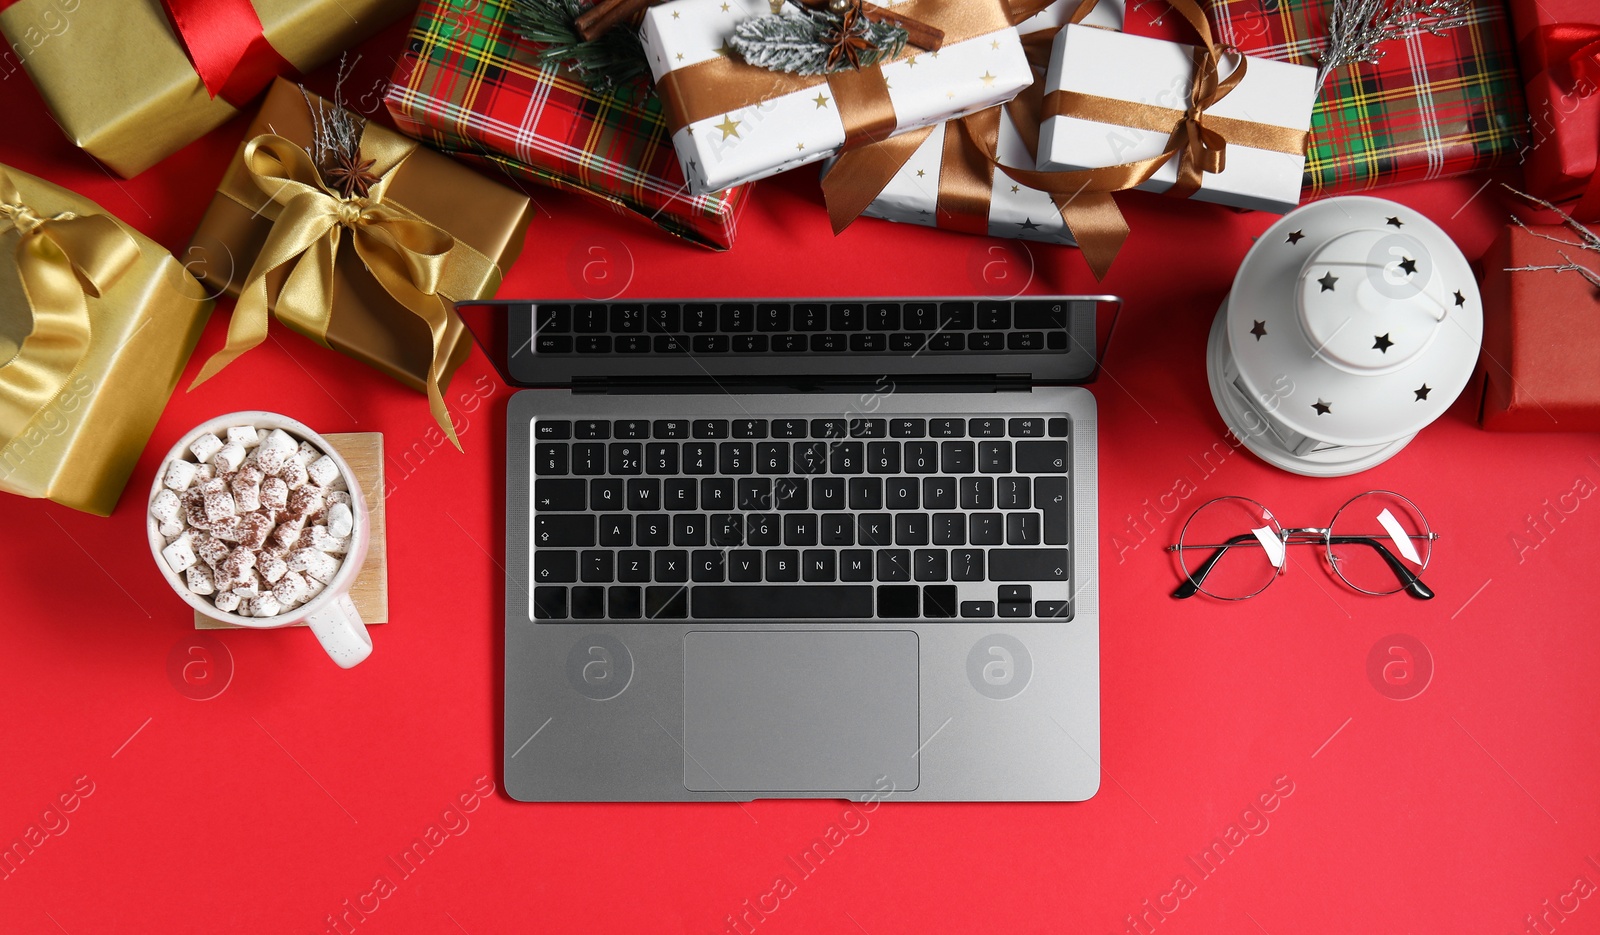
1191,584
1413,585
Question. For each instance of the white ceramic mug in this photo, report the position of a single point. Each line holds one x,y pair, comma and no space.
332,615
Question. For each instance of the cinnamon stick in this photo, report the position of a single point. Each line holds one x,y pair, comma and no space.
600,18
919,34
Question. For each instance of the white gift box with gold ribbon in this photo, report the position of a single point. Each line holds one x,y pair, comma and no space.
733,122
1114,76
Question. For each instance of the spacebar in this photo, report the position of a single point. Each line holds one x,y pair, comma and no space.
791,601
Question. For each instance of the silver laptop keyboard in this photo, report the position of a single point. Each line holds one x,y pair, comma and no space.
776,519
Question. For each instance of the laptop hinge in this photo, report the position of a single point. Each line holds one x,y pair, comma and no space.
954,383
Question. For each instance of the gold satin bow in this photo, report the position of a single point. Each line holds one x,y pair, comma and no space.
61,261
417,263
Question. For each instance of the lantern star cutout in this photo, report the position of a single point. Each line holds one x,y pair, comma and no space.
729,127
1327,282
1409,265
1395,223
1422,392
1322,407
1295,237
1260,330
1460,299
1382,343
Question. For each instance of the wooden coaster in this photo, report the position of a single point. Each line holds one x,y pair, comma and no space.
363,451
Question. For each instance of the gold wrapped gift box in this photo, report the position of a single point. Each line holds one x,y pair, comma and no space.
96,324
482,221
118,79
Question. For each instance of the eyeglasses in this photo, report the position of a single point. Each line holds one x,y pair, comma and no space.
1232,548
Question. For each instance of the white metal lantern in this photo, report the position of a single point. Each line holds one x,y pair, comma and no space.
1352,324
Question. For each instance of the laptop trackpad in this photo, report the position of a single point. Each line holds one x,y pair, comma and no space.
793,711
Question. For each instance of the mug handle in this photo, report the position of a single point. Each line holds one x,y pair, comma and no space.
340,631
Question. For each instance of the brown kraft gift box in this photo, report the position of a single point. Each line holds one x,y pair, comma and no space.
1541,336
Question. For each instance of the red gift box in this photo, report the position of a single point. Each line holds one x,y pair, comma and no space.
1558,43
1541,333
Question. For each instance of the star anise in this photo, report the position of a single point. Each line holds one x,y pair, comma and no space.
849,40
351,174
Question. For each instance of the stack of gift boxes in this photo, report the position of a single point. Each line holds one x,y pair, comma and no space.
1002,118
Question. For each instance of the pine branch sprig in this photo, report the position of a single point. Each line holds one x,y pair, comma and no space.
615,58
804,43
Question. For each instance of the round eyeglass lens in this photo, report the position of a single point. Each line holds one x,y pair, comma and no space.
1376,539
1231,548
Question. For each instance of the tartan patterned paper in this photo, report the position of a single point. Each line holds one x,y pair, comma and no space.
471,86
1434,107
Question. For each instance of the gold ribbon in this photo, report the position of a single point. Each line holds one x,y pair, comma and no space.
721,85
417,263
61,261
1084,197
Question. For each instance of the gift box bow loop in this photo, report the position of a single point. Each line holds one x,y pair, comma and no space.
416,262
62,260
1569,53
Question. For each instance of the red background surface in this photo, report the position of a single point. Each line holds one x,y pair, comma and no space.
268,806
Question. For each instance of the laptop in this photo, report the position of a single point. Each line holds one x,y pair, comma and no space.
831,548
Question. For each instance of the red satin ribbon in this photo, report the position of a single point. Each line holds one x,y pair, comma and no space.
227,44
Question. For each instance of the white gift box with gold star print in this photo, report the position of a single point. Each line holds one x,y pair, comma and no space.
1015,211
773,134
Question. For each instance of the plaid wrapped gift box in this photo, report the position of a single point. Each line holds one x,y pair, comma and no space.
471,86
1433,107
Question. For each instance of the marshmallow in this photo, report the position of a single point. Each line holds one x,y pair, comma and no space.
274,450
323,471
248,585
313,588
200,580
228,458
318,565
212,550
288,532
274,494
246,486
245,436
226,529
179,475
165,506
291,589
264,605
205,446
306,454
171,529
294,474
341,521
272,568
204,472
180,556
253,529
304,501
227,601
321,540
218,501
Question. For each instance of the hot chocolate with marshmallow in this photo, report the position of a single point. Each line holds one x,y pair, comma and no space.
258,523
